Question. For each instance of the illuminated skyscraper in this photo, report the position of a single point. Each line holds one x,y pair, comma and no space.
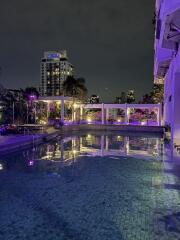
55,68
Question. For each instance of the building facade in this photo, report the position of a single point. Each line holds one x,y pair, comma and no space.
167,60
55,68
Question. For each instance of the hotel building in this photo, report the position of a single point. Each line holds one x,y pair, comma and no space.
167,60
55,68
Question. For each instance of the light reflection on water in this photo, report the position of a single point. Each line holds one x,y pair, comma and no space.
68,149
104,145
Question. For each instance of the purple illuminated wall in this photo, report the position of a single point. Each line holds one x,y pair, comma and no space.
167,60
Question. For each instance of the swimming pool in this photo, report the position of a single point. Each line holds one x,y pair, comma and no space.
100,186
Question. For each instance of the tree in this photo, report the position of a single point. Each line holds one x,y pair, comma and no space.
130,96
30,94
121,99
13,107
158,93
94,99
147,99
156,96
75,87
2,90
0,73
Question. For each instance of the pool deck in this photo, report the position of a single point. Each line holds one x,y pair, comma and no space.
20,141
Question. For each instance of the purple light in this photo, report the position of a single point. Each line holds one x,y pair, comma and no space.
31,163
32,97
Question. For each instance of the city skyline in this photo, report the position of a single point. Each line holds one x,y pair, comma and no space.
110,44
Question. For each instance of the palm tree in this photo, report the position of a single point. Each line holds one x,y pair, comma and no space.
75,87
13,107
31,94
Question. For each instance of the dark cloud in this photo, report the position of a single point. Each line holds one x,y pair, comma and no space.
109,42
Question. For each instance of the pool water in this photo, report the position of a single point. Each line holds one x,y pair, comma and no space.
102,186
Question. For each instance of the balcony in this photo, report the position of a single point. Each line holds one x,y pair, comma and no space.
163,59
168,23
171,35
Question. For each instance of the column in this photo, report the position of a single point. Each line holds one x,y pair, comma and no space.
72,113
107,114
102,113
81,112
126,114
62,110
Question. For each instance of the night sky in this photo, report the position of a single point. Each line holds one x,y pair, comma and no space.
109,42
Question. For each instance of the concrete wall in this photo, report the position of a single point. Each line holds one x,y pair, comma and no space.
176,107
168,96
166,51
172,97
123,128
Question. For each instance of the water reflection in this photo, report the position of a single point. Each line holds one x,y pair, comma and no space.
64,151
93,145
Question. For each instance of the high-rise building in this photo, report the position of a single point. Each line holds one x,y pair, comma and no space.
55,68
167,60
